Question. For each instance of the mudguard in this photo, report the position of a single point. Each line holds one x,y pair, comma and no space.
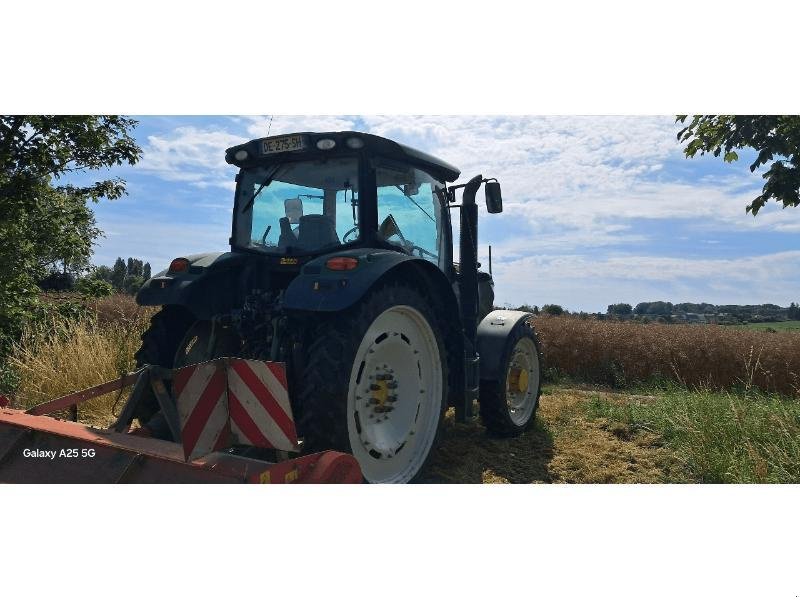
318,288
190,288
493,331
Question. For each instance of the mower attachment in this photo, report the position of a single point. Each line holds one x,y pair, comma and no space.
218,404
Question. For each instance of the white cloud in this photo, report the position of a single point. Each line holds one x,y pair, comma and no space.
580,281
190,154
259,126
571,185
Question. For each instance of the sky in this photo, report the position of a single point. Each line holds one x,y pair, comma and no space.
597,210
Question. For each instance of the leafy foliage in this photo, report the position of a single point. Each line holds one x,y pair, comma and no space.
623,308
653,308
776,138
794,311
43,224
93,287
553,309
125,276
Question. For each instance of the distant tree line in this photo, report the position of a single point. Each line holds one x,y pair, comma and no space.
681,312
125,277
690,311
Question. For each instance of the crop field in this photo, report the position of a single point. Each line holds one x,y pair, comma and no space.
623,403
621,354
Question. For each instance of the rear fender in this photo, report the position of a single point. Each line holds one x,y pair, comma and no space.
209,286
320,289
493,333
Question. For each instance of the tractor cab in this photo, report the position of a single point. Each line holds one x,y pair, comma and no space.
307,194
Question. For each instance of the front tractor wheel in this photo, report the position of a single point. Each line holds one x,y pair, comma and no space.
508,405
375,385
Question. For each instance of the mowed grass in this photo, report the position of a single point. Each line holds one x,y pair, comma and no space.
590,435
565,445
793,326
717,437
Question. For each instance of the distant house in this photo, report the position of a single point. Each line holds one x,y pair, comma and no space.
695,318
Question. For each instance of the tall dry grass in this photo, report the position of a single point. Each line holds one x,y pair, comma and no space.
66,356
703,356
718,437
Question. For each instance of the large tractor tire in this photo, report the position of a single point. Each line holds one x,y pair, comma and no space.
173,340
159,346
508,405
375,385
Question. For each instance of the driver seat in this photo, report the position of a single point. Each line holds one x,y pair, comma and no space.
315,232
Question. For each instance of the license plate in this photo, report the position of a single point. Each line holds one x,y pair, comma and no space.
283,144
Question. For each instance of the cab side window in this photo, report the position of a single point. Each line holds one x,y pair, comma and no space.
409,214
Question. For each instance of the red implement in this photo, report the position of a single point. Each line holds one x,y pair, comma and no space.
36,449
39,449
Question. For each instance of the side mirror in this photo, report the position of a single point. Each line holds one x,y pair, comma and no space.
494,198
410,189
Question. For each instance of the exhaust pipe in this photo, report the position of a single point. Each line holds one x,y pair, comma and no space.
468,294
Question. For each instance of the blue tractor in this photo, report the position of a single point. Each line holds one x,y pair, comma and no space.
342,267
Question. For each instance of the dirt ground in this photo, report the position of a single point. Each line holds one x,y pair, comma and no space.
564,446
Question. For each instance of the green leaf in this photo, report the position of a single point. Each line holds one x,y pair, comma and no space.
731,156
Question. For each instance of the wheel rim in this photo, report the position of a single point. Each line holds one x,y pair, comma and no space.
395,396
522,381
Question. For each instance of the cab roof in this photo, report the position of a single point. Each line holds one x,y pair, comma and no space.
373,145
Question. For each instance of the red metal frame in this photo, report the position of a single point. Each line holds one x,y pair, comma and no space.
87,455
40,449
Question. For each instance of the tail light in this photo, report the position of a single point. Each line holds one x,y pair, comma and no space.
341,263
179,265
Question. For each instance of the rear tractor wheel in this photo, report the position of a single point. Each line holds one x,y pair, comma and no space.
375,385
176,339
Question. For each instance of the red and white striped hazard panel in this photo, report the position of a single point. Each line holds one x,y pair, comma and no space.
233,401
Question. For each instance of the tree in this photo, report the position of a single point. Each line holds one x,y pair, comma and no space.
93,287
102,273
135,267
620,309
133,283
44,224
553,309
146,273
794,311
118,273
776,138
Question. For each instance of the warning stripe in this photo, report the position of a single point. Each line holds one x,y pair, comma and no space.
278,371
181,377
201,412
243,425
266,399
224,402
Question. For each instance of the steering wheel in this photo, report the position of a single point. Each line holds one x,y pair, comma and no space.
346,235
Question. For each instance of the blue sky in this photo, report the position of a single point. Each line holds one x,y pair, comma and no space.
597,209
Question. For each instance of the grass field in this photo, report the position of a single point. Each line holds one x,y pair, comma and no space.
688,428
594,435
793,326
